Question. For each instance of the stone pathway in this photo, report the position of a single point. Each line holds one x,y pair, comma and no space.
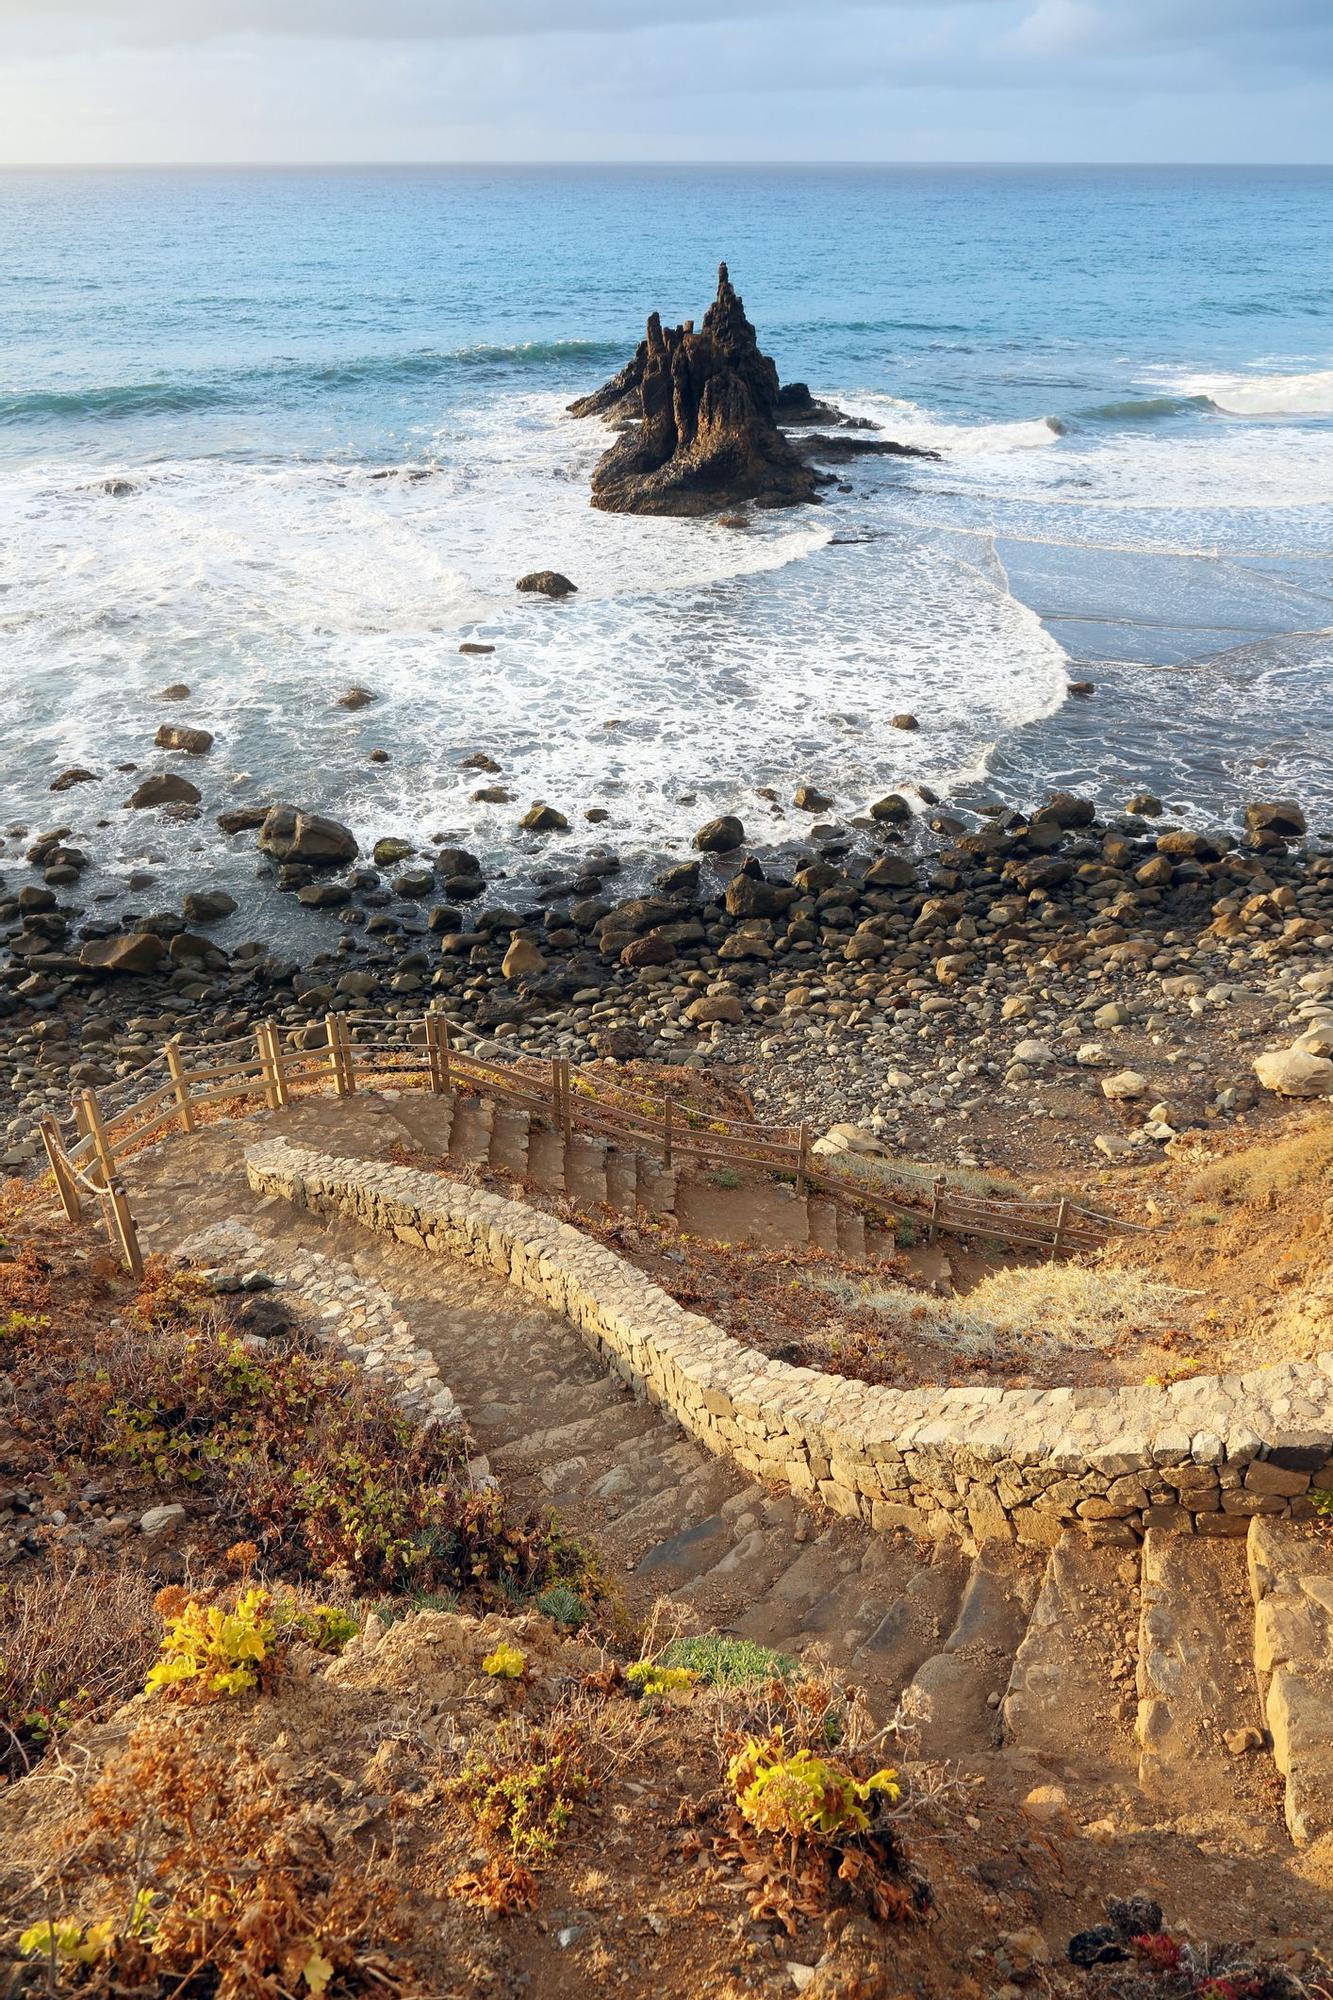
1082,1667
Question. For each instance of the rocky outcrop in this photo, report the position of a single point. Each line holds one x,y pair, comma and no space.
702,416
544,583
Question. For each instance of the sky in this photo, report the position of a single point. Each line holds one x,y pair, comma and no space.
257,81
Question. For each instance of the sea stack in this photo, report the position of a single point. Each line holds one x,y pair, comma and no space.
699,415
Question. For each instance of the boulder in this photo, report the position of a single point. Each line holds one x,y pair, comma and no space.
356,697
165,789
810,799
1063,809
187,949
697,414
522,959
1146,805
390,850
75,776
1281,818
720,836
178,691
290,834
904,721
891,871
130,952
207,906
682,880
546,583
750,896
715,1007
651,950
541,818
176,736
1295,1073
242,819
892,810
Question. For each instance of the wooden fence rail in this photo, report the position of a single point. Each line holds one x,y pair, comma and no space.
273,1069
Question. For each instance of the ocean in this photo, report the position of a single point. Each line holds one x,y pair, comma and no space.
276,433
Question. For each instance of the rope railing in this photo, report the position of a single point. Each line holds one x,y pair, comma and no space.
357,1051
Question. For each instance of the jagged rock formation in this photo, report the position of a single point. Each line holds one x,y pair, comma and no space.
702,416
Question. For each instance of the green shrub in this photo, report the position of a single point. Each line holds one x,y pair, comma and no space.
725,1662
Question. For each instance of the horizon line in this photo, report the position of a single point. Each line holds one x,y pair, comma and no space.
387,165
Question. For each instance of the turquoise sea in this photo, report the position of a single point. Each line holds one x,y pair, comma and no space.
274,433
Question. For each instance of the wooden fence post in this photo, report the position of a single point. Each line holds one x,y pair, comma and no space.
936,1203
803,1156
566,1106
442,1050
666,1132
278,1066
1057,1240
127,1236
176,1071
266,1066
67,1186
349,1060
97,1133
335,1056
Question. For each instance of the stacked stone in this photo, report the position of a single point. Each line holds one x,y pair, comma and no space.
1202,1456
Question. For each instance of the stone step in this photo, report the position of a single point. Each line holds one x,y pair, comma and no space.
585,1169
851,1235
510,1129
1070,1694
956,1693
1195,1677
911,1616
427,1121
822,1222
470,1132
603,1431
657,1186
622,1179
1290,1567
546,1159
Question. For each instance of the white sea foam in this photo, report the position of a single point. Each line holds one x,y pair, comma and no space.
1260,395
695,664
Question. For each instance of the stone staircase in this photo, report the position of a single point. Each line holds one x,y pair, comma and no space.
1188,1682
592,1170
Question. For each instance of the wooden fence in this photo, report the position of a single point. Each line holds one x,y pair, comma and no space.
274,1068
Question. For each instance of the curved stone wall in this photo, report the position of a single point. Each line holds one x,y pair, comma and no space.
982,1463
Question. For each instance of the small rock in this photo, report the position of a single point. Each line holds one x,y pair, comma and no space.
1240,1742
1125,1086
904,721
75,776
162,1522
356,697
175,736
808,798
547,583
541,818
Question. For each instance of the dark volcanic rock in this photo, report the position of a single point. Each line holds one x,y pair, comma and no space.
164,790
292,835
700,415
547,583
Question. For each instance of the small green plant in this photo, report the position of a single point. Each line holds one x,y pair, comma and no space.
794,1792
721,1662
905,1233
1322,1501
726,1177
506,1663
208,1651
650,1677
523,1794
70,1943
563,1605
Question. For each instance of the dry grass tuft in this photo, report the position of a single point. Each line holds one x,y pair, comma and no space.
75,1641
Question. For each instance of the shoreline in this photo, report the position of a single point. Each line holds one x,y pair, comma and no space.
989,980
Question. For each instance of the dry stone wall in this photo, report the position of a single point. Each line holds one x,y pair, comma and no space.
1203,1456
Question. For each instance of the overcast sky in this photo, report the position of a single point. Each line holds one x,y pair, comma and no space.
356,80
